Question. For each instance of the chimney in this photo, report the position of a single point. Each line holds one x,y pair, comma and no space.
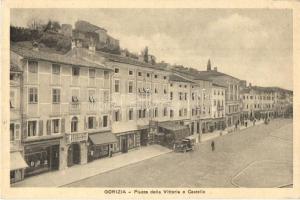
208,65
35,46
215,69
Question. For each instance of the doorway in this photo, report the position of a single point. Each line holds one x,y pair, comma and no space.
54,160
73,154
124,144
144,137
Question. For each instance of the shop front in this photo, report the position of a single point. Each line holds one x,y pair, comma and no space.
17,166
128,140
100,145
41,157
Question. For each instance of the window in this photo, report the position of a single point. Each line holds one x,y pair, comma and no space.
155,91
75,94
106,96
185,96
130,87
155,76
130,114
171,95
140,114
92,96
91,122
165,112
117,86
32,128
171,113
139,73
33,96
106,75
92,73
179,85
215,102
148,75
130,72
105,121
117,70
156,112
165,77
180,113
165,91
55,126
32,66
74,124
193,96
185,86
185,112
180,96
117,115
171,85
55,95
56,69
12,131
144,113
12,99
75,71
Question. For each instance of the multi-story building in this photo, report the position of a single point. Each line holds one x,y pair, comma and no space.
232,97
218,106
265,102
17,163
66,105
140,95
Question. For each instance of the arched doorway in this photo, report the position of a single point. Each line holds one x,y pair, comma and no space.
73,154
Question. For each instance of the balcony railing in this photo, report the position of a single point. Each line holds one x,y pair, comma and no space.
15,145
76,137
74,108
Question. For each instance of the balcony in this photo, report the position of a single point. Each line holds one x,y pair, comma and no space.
15,145
76,137
74,108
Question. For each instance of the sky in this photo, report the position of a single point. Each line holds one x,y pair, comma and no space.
251,44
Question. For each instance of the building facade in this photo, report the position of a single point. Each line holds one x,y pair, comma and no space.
64,101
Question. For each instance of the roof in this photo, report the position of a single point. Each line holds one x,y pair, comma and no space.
85,26
172,126
213,73
218,85
17,161
177,78
192,75
103,138
52,57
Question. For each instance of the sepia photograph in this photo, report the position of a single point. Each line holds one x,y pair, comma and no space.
122,98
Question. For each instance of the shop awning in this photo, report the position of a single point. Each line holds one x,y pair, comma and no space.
17,161
103,138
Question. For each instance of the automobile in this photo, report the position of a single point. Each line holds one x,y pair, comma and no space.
184,146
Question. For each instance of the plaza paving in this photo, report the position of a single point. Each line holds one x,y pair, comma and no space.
260,156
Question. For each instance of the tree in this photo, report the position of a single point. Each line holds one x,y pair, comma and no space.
146,54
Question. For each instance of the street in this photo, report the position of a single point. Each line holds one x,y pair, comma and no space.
260,156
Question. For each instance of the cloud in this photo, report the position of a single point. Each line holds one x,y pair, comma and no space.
235,32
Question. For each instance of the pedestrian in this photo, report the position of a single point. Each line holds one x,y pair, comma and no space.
212,146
